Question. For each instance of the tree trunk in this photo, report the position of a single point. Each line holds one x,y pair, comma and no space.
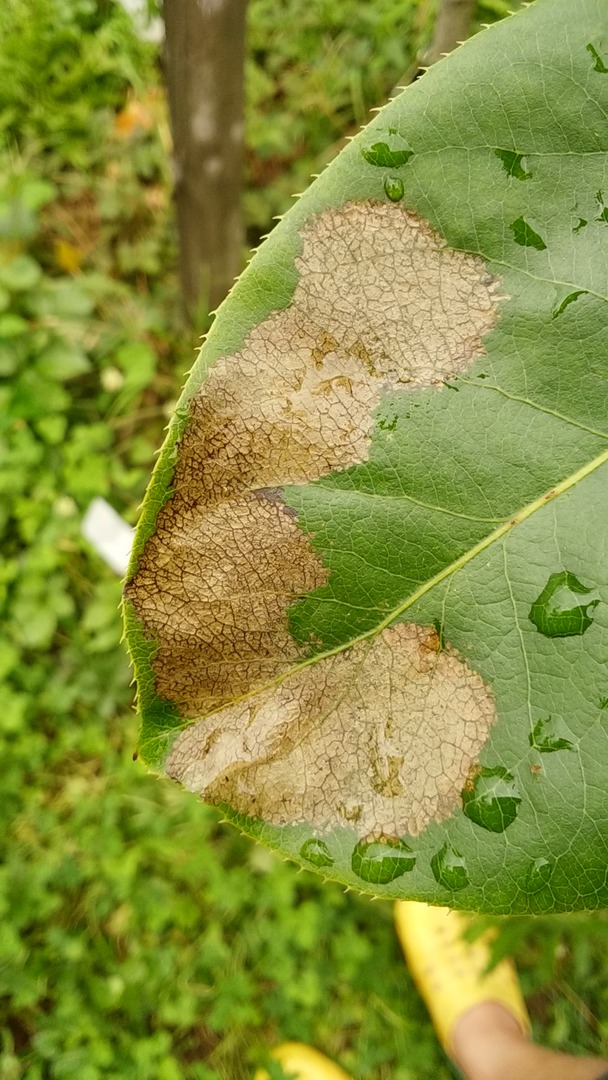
204,61
452,25
451,28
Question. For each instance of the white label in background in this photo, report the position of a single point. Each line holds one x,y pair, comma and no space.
147,27
109,534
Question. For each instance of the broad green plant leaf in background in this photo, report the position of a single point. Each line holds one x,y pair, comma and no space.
368,601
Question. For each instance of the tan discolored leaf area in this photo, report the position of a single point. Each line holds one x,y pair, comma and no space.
381,303
380,736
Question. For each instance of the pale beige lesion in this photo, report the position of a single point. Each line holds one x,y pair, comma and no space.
380,737
381,303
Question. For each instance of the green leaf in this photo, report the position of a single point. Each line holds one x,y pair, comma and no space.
12,325
62,361
138,363
19,273
61,298
367,606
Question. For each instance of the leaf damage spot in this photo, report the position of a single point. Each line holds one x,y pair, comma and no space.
599,64
603,216
556,613
215,587
525,236
513,164
381,155
547,738
569,299
381,737
382,304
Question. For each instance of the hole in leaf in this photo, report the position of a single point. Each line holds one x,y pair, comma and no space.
512,162
546,739
525,236
569,299
599,64
555,612
380,154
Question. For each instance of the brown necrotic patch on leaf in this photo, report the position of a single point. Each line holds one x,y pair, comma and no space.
381,302
215,587
381,736
383,286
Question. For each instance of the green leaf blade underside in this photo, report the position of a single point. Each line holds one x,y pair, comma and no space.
445,567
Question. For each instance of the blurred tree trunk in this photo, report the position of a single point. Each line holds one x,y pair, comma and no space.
452,26
204,65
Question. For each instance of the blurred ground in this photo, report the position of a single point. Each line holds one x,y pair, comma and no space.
139,937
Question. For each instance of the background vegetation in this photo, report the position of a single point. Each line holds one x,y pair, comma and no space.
139,937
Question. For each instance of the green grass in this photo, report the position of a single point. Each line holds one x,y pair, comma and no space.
139,937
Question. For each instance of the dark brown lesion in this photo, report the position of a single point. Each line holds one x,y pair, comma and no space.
213,587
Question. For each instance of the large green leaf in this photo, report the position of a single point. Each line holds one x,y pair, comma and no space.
368,600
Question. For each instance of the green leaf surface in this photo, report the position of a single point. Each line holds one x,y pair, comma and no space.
367,601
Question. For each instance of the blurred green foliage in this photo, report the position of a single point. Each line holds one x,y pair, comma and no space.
307,89
140,938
